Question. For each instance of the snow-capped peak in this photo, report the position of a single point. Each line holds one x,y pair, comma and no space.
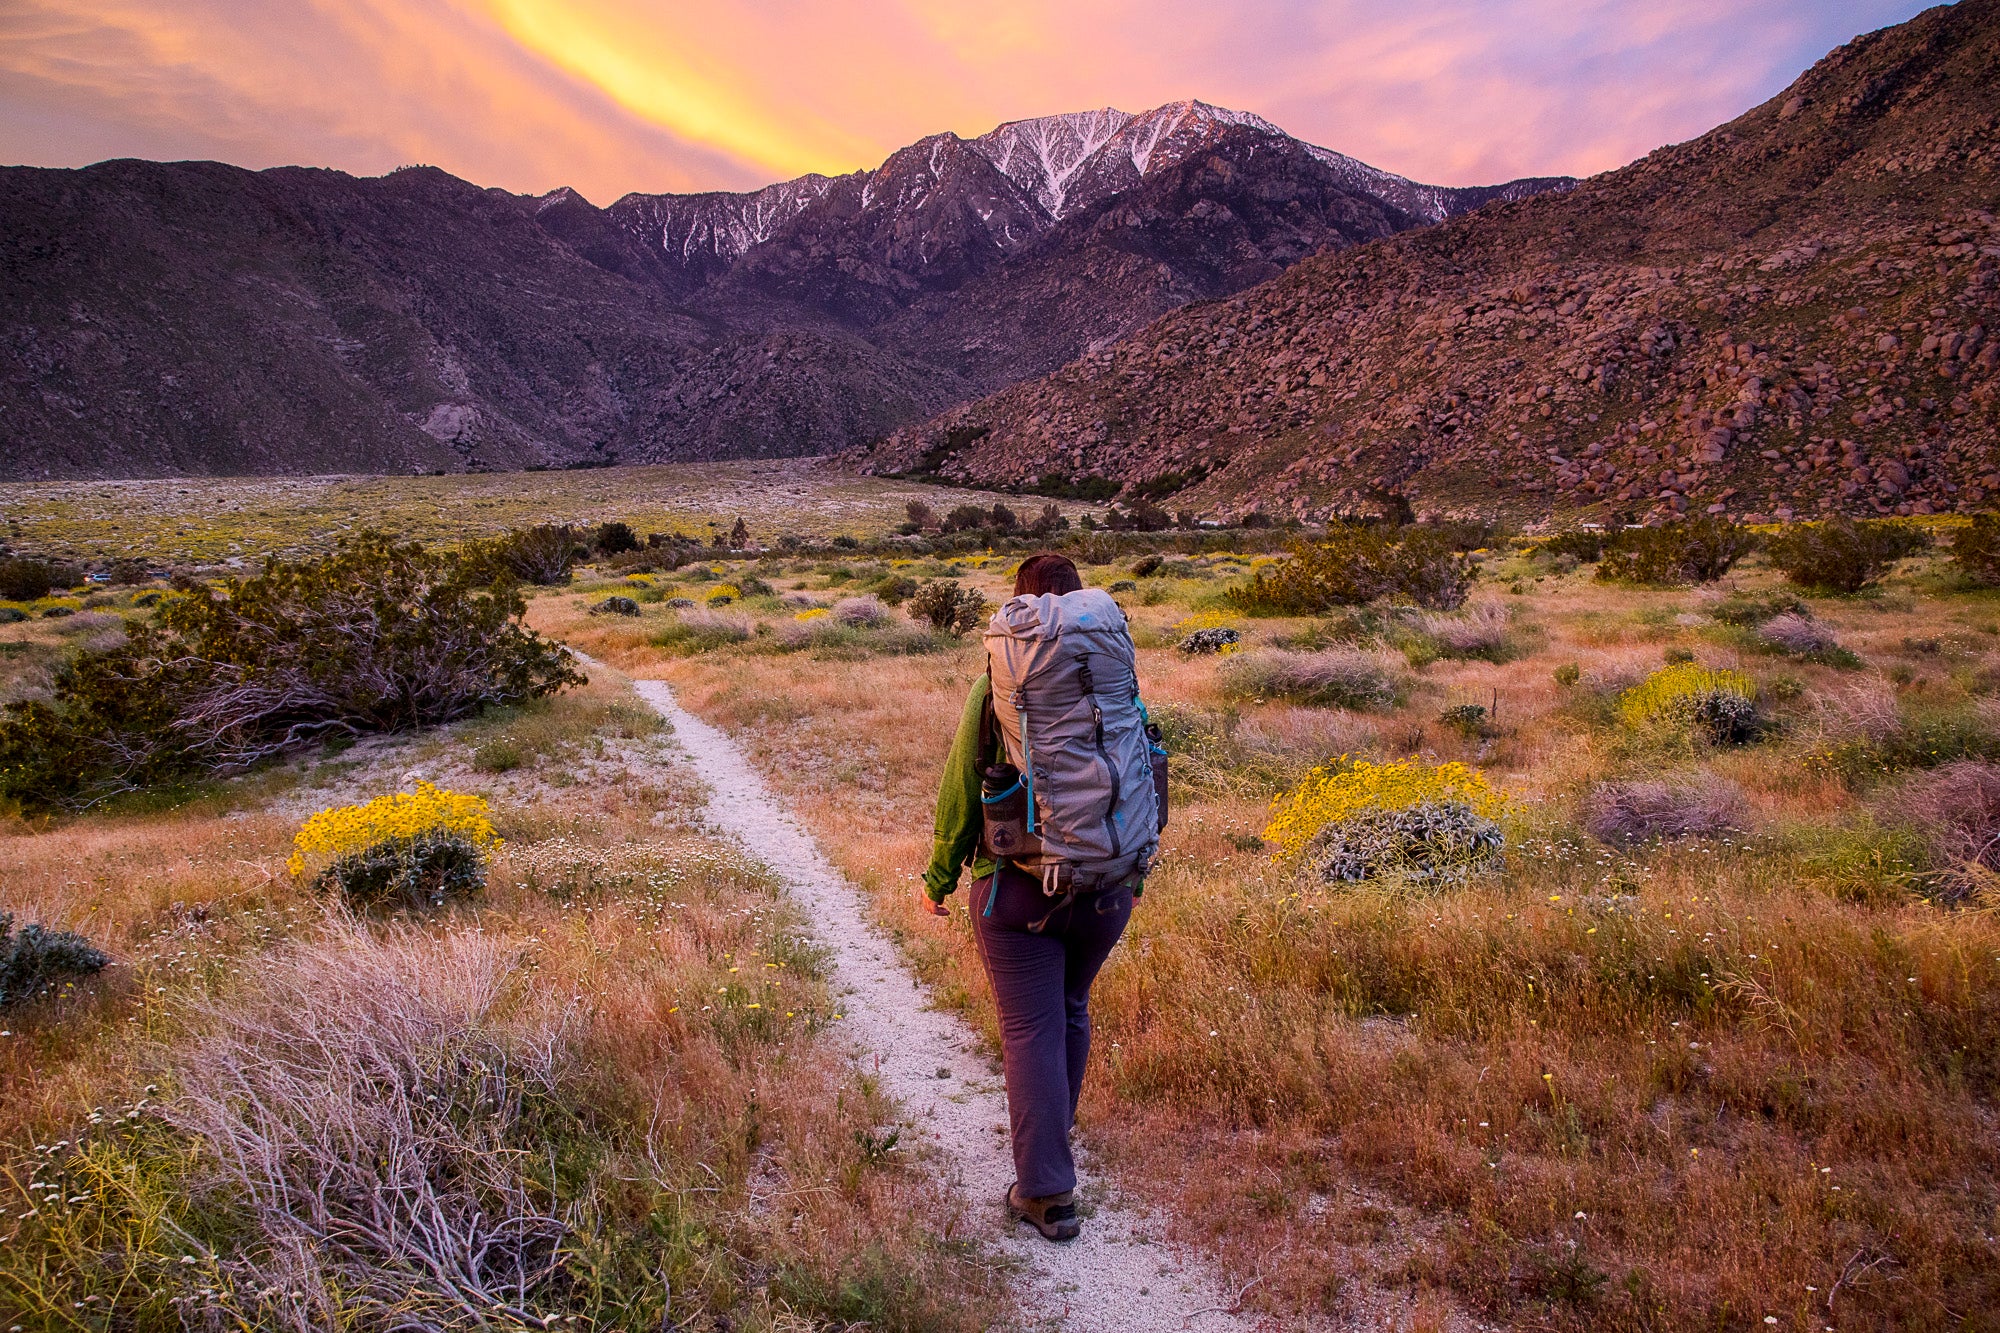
1043,155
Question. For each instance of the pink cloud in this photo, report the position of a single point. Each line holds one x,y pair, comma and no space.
612,95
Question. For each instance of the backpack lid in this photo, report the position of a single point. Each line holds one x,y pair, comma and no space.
1042,616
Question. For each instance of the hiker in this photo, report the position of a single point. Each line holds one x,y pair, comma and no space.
1051,792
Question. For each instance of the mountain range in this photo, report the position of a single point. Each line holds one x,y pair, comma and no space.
191,318
1796,313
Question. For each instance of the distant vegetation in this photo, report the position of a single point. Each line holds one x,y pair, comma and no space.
380,636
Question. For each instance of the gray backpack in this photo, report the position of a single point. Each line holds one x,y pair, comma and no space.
1081,800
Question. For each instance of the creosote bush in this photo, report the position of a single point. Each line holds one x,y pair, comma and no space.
1352,566
1975,550
541,555
1843,554
33,960
949,607
614,539
1717,706
379,636
1693,550
25,580
1584,545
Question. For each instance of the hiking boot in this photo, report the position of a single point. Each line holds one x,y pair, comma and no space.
1054,1217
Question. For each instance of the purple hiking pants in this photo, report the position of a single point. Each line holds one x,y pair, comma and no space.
1041,985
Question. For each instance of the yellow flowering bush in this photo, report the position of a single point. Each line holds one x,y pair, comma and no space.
811,613
1201,620
1340,791
1400,822
347,829
723,594
1720,704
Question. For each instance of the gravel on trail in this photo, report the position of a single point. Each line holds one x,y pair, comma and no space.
1120,1276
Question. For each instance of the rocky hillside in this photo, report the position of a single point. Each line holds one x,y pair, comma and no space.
1797,312
161,319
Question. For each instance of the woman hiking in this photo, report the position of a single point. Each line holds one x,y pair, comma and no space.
1050,792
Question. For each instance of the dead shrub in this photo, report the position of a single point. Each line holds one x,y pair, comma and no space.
1799,635
1336,677
1477,632
696,630
1955,812
1647,811
361,1100
863,612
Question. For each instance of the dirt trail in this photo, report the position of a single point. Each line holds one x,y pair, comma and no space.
1120,1277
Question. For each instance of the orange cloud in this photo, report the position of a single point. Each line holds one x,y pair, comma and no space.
617,95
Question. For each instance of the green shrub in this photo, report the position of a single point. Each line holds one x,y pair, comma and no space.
1585,545
33,960
1352,566
950,608
498,756
24,580
1719,706
1433,842
377,637
1695,550
1842,555
1749,611
1975,550
614,539
1468,720
419,871
542,555
1929,738
895,589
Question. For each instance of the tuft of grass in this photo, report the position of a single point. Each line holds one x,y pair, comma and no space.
1332,677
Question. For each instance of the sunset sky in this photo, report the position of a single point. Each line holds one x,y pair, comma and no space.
610,96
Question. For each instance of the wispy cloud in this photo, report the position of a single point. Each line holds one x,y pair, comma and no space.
616,95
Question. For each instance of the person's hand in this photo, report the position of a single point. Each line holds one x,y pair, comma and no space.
935,909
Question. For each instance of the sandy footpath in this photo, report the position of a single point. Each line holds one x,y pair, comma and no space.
1120,1277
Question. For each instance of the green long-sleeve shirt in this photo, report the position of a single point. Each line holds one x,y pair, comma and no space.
960,820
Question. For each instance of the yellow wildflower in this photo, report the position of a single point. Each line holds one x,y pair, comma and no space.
351,828
1340,790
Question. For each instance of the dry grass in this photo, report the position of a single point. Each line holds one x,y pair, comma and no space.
1679,1086
1701,806
600,1092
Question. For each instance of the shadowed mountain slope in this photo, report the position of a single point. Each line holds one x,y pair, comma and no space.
167,318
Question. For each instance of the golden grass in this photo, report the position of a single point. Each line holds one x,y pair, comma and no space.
706,1134
1681,1086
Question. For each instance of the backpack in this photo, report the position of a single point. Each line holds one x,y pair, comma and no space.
1085,803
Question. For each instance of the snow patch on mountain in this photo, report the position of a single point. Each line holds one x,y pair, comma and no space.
1044,154
720,224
